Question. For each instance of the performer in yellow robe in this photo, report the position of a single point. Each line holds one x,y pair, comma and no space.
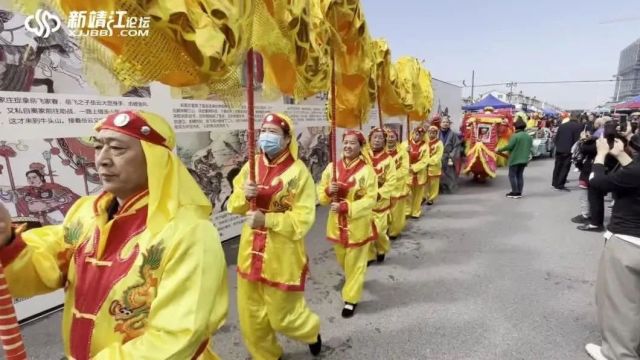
350,225
272,260
418,159
397,217
141,264
434,167
385,167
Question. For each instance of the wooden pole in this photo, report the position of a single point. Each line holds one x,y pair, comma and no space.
378,101
408,129
251,135
333,144
9,329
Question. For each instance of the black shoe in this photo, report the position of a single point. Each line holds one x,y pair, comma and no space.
591,228
393,237
510,194
348,310
370,262
316,347
380,258
415,217
580,219
430,202
516,195
562,189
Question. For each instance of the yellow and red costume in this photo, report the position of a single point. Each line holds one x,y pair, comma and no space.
352,228
418,161
145,278
434,166
397,216
385,168
272,261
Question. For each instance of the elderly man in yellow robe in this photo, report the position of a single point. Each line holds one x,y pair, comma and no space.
385,168
350,226
434,166
418,160
397,217
272,261
141,264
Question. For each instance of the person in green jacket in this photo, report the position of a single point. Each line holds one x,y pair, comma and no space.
519,148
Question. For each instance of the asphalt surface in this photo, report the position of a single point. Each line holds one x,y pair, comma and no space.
480,276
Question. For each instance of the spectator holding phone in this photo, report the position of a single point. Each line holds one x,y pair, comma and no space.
618,284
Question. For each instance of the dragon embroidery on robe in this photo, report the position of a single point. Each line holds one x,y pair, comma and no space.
132,312
284,201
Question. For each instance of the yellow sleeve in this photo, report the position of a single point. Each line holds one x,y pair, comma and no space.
191,304
387,190
423,162
325,181
436,158
364,206
35,262
403,172
238,203
296,223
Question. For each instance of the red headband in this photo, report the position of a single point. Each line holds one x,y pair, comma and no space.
357,134
276,120
132,124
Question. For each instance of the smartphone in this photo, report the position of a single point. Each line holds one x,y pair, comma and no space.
610,133
623,125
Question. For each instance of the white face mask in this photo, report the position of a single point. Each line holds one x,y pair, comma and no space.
270,143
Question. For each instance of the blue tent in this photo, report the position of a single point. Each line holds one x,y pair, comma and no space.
550,112
488,100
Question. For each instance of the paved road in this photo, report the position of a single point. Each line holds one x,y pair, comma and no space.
479,277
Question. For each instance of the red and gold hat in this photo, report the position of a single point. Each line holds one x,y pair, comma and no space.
393,131
277,120
132,124
377,130
358,134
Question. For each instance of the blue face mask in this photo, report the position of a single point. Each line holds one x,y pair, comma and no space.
270,143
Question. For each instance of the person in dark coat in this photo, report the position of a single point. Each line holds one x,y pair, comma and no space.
568,134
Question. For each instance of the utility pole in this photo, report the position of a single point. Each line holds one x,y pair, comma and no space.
473,83
511,85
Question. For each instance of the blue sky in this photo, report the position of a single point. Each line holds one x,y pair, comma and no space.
517,40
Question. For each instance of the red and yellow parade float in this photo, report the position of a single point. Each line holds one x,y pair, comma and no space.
483,132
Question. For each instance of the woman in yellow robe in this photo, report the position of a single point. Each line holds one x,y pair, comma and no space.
350,225
397,217
418,159
141,264
272,260
434,167
385,167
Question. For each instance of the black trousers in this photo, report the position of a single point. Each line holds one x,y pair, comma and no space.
561,170
596,206
516,177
